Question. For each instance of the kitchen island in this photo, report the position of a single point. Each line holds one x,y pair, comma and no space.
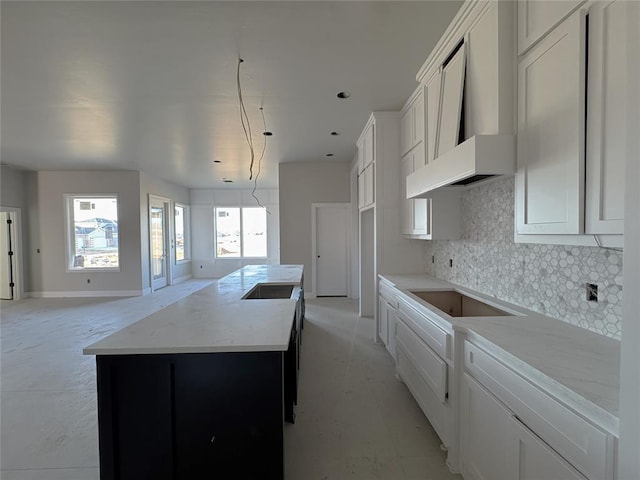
201,388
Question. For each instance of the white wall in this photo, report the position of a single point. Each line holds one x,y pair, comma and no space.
629,447
175,193
203,201
47,232
302,184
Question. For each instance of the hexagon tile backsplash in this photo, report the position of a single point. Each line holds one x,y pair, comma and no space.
549,279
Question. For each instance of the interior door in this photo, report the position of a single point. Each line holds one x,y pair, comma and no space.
332,243
6,256
158,244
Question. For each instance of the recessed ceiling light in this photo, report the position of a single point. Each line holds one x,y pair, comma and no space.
344,95
329,154
267,134
335,133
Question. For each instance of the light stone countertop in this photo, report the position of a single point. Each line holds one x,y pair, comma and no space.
214,319
578,367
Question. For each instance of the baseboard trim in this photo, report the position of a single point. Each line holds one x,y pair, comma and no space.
183,278
87,294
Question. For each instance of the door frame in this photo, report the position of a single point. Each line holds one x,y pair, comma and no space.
168,235
17,264
314,247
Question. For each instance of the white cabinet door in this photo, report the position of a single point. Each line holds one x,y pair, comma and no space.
551,119
413,212
537,17
383,321
369,185
606,118
406,131
484,426
392,322
406,206
484,86
360,147
431,97
412,124
418,119
532,459
451,102
368,144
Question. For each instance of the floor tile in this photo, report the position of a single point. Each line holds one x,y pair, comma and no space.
52,474
355,420
49,429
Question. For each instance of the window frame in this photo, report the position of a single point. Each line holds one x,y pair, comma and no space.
70,235
186,229
241,256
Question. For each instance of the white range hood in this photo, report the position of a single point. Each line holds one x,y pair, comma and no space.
475,159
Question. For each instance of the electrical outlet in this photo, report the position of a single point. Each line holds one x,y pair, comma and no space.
451,263
592,292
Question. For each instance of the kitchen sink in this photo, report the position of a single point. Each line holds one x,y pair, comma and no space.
281,290
456,304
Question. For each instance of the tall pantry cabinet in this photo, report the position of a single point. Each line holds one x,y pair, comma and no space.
382,247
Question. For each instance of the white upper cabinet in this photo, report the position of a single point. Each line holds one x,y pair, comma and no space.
412,123
414,215
606,126
488,87
551,119
567,101
451,101
431,98
366,147
537,17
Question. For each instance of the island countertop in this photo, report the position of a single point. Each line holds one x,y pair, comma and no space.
214,319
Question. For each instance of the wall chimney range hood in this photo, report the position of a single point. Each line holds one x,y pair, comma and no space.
475,159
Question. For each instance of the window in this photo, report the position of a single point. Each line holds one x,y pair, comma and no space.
92,223
241,232
182,230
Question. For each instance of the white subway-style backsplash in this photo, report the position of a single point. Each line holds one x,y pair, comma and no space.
549,279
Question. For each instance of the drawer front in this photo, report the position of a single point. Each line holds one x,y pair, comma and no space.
429,332
430,366
584,445
433,409
389,294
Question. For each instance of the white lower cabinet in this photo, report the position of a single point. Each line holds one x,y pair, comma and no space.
513,430
383,323
387,307
420,344
529,458
485,423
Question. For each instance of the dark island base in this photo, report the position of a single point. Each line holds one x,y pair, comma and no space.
194,416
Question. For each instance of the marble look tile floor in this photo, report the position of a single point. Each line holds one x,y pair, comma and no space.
354,419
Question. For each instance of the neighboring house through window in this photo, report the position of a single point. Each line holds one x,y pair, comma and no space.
241,232
93,238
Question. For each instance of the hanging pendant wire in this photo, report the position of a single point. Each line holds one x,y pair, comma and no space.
246,127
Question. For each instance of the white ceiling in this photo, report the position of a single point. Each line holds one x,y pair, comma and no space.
152,85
